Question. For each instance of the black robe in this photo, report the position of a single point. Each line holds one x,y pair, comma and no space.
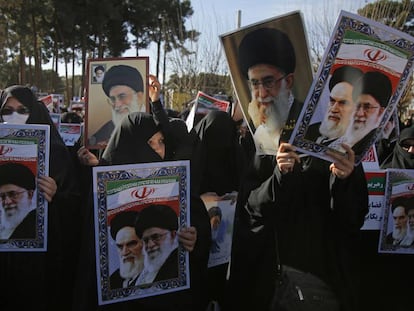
45,279
318,230
128,145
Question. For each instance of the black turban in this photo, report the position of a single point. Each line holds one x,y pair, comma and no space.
376,84
121,220
160,216
17,174
345,74
99,67
122,75
266,46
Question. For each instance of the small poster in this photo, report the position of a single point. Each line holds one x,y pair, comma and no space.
24,157
138,210
70,132
116,87
221,213
397,231
363,74
376,199
202,105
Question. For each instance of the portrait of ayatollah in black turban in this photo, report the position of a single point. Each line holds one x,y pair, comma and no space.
270,67
124,88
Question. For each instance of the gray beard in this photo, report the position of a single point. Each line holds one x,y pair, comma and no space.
154,262
129,270
9,223
398,234
134,106
277,112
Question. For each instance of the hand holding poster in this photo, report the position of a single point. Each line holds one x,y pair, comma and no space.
358,85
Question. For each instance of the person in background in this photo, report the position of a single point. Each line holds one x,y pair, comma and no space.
402,155
44,279
129,247
221,165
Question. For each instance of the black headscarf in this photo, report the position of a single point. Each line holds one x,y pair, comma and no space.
129,141
47,275
38,111
222,159
401,158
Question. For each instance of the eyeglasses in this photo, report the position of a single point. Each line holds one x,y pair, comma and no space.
8,111
13,195
156,237
119,97
366,107
268,82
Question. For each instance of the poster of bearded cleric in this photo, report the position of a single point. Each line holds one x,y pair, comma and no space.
271,72
363,74
24,156
116,87
139,208
397,231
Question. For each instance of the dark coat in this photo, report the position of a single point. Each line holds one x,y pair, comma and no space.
48,276
316,234
129,145
27,228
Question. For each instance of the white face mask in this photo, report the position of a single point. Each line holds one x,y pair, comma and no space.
16,118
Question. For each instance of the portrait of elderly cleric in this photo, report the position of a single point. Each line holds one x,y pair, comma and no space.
122,91
371,94
272,72
98,73
340,107
18,203
129,249
401,233
157,227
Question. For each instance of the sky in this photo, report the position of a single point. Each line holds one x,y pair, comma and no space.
216,17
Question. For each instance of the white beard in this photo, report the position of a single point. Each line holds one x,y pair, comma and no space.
129,270
331,129
409,237
358,131
134,106
278,110
398,234
10,222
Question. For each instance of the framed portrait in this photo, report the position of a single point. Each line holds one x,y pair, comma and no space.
397,230
280,42
360,80
138,210
123,89
24,157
